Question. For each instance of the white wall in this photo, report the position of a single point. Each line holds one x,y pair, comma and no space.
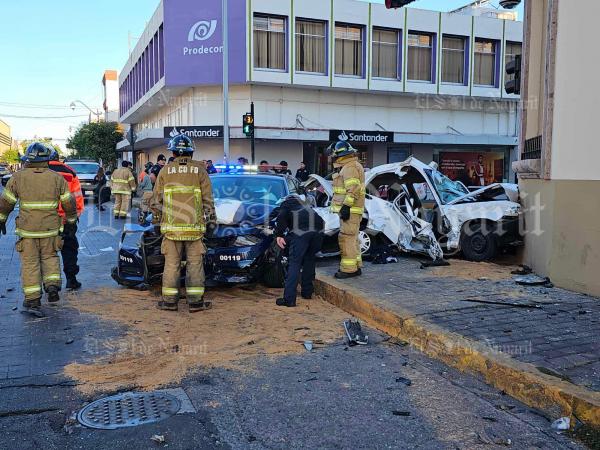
575,152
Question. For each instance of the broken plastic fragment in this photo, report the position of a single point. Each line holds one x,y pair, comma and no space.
562,424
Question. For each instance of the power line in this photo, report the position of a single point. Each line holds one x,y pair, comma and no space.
15,116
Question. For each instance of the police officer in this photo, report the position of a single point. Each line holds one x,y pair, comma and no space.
123,184
184,201
299,228
349,202
39,192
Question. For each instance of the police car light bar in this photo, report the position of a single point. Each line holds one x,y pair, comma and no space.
236,168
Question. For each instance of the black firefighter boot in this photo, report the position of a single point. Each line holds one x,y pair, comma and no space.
196,305
168,304
33,307
344,275
53,296
72,283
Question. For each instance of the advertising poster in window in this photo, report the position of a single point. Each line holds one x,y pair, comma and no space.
473,168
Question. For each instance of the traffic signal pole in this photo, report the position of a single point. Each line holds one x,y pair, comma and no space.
252,153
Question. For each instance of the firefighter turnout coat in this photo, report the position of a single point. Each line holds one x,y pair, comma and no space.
349,189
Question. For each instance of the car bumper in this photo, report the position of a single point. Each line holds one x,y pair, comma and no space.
509,231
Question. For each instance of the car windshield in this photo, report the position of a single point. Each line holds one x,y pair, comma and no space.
447,189
87,168
249,188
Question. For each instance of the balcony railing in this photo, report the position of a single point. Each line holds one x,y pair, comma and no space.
533,148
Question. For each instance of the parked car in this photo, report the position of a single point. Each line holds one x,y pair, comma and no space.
242,249
4,170
383,224
477,223
5,179
86,171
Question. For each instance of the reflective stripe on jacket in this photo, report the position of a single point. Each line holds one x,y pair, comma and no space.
349,185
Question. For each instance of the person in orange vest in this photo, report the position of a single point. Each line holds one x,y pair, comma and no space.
70,248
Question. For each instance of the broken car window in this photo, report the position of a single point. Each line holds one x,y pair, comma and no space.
447,189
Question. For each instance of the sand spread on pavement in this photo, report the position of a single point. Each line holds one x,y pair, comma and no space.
162,347
469,270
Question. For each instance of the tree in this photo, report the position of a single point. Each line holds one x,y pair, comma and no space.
97,141
47,141
10,156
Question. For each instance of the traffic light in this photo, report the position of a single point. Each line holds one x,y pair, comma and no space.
514,68
389,4
248,124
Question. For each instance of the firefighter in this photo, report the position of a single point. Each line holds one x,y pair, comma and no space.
70,247
349,202
39,192
184,201
123,184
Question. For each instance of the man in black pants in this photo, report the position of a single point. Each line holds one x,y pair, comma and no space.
303,239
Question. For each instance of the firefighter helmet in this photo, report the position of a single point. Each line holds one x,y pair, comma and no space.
38,152
342,148
181,145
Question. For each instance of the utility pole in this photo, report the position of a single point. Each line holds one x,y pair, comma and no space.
225,26
253,159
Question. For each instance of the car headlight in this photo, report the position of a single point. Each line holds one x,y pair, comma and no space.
514,210
247,241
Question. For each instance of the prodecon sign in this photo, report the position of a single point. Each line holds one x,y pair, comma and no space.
199,32
193,39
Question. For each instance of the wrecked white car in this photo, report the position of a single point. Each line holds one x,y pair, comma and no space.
384,223
477,223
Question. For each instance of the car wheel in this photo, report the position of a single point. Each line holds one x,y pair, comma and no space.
365,243
478,243
275,271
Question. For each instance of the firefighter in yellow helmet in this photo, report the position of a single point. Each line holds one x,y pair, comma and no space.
183,200
39,191
349,202
122,185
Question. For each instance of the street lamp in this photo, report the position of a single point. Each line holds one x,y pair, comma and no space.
96,113
510,4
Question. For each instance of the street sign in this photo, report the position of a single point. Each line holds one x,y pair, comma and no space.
195,132
361,137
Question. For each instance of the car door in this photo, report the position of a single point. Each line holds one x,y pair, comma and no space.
322,191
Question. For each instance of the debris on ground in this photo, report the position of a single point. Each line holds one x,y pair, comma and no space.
308,345
401,413
513,304
562,424
384,257
533,280
403,380
522,270
436,263
158,438
143,358
355,333
469,270
69,341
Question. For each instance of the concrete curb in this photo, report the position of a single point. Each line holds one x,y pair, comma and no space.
522,381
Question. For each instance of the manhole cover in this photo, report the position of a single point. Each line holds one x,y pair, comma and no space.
128,410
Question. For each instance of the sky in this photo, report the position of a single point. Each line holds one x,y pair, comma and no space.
55,52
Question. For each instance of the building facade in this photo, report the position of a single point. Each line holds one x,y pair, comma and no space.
559,165
5,137
394,82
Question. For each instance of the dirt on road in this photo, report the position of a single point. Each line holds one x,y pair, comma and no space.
161,347
469,270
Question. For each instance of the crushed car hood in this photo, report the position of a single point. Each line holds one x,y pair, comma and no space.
485,194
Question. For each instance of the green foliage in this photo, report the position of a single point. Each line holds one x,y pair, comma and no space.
25,144
97,141
10,156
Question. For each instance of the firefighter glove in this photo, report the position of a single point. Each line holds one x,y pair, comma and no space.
345,213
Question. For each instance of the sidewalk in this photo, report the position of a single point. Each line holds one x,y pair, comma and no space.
548,357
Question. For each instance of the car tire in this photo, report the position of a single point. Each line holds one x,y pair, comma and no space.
478,243
274,275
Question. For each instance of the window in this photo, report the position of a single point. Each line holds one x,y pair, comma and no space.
485,63
512,49
348,50
311,49
269,42
385,53
420,57
453,59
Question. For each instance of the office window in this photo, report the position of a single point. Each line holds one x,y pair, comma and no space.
311,46
453,59
420,57
385,53
348,50
485,63
512,49
269,42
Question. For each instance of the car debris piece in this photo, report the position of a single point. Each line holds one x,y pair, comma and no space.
158,438
533,280
308,345
522,270
436,263
562,424
515,305
355,333
401,413
403,380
